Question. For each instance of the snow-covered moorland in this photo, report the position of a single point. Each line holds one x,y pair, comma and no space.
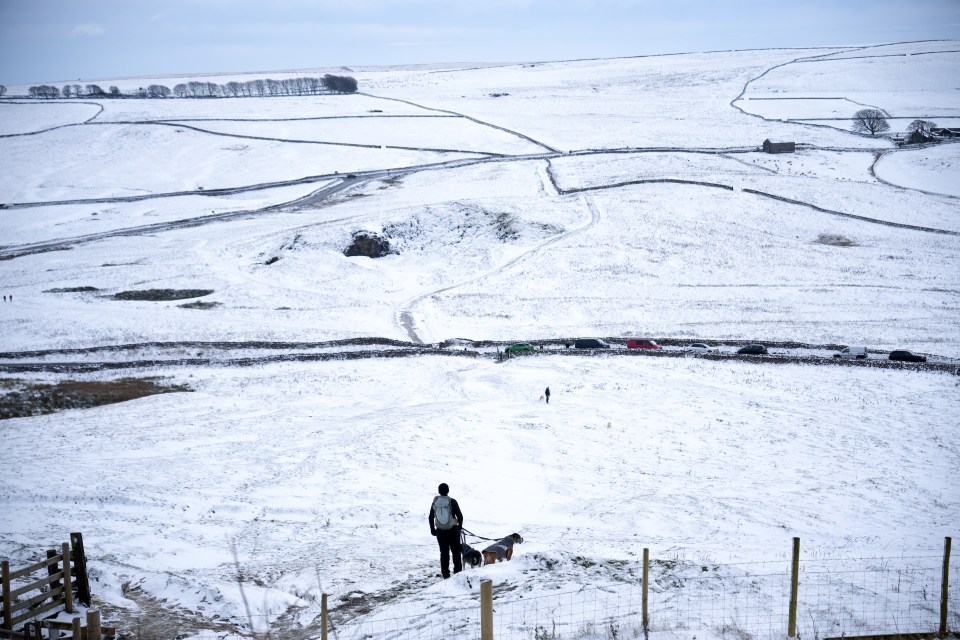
533,202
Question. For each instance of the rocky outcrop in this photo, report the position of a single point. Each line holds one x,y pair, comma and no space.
369,244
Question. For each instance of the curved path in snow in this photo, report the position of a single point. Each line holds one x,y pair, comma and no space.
405,314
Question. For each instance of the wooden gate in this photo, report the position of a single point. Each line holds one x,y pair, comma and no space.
48,587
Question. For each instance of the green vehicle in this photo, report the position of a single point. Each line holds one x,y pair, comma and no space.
517,348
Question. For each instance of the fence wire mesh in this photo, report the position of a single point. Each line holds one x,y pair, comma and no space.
428,623
870,596
719,600
609,612
687,600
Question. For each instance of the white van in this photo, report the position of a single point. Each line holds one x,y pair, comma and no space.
858,353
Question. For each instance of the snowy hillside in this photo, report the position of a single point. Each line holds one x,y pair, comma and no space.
535,203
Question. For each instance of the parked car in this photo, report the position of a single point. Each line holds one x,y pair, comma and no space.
590,343
520,346
702,347
907,356
851,353
642,343
752,350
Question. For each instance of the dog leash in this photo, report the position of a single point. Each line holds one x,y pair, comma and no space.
471,533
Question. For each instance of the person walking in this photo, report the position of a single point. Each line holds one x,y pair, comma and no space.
445,523
546,394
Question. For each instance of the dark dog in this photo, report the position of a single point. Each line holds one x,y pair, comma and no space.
502,550
470,555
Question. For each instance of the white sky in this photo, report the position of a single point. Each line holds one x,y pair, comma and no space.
60,40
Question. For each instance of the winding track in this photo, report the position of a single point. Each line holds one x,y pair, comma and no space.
405,315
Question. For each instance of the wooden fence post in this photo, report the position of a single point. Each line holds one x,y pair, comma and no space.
323,617
943,588
77,628
486,610
646,590
32,631
67,584
794,583
5,577
80,568
93,625
52,569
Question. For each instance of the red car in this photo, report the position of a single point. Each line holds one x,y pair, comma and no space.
642,343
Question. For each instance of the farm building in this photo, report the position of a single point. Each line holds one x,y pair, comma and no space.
779,147
945,132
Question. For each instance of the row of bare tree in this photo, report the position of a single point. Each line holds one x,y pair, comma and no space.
874,121
299,86
72,91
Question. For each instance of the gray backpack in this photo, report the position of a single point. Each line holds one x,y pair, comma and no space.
443,512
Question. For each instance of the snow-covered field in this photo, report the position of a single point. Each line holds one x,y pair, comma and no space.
932,169
900,79
316,477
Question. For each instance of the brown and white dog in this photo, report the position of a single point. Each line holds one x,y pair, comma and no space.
501,550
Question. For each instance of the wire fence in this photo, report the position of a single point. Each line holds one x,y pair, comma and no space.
594,612
438,623
721,600
873,596
836,598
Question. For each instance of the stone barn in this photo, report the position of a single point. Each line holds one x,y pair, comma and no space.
779,147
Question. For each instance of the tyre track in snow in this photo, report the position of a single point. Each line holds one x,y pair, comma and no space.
405,315
221,191
14,251
61,244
